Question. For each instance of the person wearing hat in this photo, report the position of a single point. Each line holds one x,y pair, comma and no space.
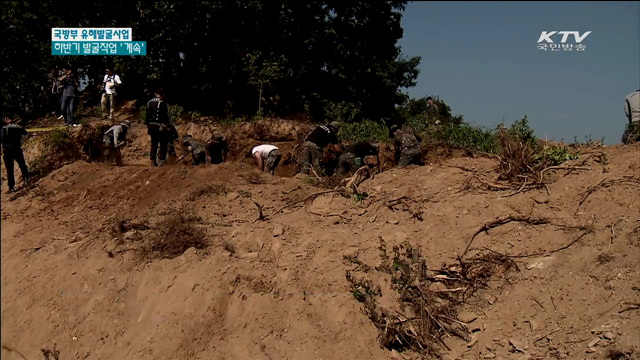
407,146
114,139
197,149
353,157
315,142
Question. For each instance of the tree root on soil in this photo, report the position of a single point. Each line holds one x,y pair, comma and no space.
426,313
605,183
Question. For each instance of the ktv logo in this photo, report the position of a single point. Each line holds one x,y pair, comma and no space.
545,42
546,36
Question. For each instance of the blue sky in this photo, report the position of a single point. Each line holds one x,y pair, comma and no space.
483,60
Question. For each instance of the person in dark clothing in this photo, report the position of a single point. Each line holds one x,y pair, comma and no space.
173,136
69,93
353,157
11,139
315,142
158,128
407,146
54,94
114,139
217,149
197,149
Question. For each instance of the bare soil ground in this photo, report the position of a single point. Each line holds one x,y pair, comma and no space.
84,270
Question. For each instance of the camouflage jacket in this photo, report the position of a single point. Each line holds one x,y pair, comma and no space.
406,139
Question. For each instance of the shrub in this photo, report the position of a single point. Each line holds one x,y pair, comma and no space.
366,130
175,235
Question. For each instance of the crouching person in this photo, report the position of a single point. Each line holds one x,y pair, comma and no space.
407,146
197,150
267,157
114,139
353,157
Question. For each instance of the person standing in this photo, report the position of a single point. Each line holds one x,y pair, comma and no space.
11,139
632,110
267,157
158,128
433,110
54,94
109,94
69,93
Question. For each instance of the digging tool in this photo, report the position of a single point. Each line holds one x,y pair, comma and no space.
183,156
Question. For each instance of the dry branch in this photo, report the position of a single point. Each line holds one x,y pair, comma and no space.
605,183
299,201
501,221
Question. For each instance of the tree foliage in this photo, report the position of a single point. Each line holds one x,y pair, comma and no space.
216,55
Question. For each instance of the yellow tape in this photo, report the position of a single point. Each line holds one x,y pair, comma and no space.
46,129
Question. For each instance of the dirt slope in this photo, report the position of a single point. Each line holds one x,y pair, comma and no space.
276,289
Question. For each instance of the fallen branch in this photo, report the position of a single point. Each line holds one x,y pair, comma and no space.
10,349
360,175
326,215
492,186
501,221
544,336
605,183
260,216
634,306
588,231
570,168
524,183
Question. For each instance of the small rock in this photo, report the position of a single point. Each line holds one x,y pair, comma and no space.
112,277
147,182
232,196
253,255
393,222
278,230
534,325
465,212
608,335
517,344
74,338
477,326
590,351
373,219
378,188
593,342
472,342
467,317
361,212
490,356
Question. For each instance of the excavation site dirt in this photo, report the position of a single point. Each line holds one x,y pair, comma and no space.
226,262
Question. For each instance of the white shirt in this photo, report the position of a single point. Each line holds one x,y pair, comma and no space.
111,82
264,150
632,106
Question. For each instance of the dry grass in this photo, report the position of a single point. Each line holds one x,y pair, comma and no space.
174,235
206,190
